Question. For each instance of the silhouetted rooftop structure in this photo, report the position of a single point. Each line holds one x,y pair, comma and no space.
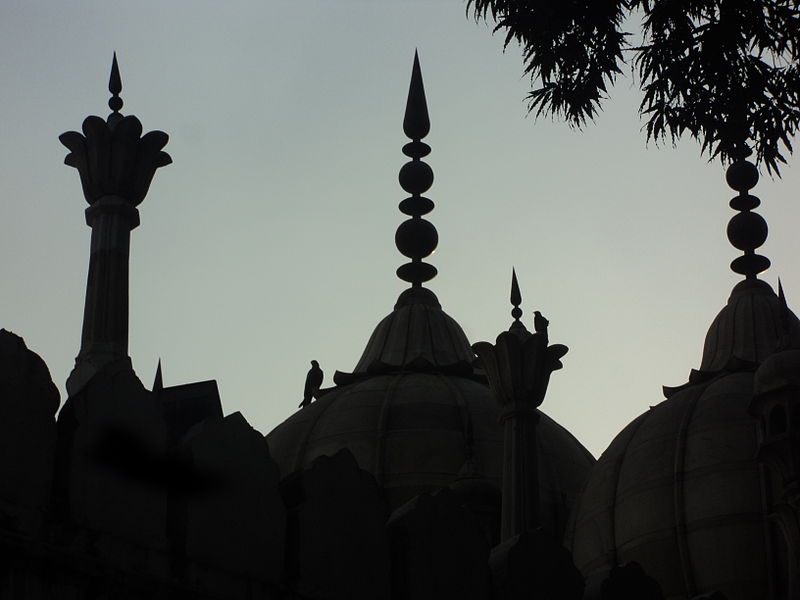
415,412
423,473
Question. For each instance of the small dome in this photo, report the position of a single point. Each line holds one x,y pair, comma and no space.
748,329
417,334
678,490
417,417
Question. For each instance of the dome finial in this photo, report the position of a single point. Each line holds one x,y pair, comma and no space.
115,87
746,230
416,238
517,326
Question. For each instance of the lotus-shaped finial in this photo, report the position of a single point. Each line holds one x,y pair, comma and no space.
114,159
519,366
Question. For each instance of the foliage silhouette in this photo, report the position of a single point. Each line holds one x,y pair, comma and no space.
723,71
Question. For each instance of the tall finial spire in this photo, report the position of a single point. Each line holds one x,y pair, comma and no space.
746,230
416,238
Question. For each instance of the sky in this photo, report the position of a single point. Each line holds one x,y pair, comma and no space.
269,241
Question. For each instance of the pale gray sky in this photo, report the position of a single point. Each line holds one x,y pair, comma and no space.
270,240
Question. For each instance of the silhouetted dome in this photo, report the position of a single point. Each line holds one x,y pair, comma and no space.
417,417
417,334
748,329
678,490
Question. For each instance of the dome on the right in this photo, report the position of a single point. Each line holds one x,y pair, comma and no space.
684,490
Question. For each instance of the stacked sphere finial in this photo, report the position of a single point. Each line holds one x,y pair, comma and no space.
747,230
416,238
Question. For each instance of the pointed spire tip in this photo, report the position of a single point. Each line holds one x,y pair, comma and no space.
115,86
516,296
158,381
416,123
115,80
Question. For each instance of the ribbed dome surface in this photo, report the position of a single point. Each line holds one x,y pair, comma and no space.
678,490
416,431
417,417
417,334
749,328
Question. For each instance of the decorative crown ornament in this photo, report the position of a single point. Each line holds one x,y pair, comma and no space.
112,156
519,364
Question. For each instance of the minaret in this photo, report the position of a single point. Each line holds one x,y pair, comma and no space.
518,368
116,165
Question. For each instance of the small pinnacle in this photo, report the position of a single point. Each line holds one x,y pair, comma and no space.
516,296
115,86
784,306
115,81
785,316
158,382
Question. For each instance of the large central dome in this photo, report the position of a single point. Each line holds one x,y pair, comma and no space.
415,412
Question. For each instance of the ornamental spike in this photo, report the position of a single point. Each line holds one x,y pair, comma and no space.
416,123
115,87
158,381
516,297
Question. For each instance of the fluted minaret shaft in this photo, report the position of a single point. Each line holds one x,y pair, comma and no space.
116,165
105,317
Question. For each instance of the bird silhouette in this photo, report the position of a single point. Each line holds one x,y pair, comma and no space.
539,322
313,381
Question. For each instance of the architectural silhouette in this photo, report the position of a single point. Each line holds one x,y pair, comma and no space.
428,471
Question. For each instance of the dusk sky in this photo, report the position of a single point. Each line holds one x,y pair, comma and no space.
270,240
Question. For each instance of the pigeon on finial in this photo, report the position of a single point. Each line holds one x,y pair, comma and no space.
540,323
313,381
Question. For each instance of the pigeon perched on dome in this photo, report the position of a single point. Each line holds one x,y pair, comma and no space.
313,382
